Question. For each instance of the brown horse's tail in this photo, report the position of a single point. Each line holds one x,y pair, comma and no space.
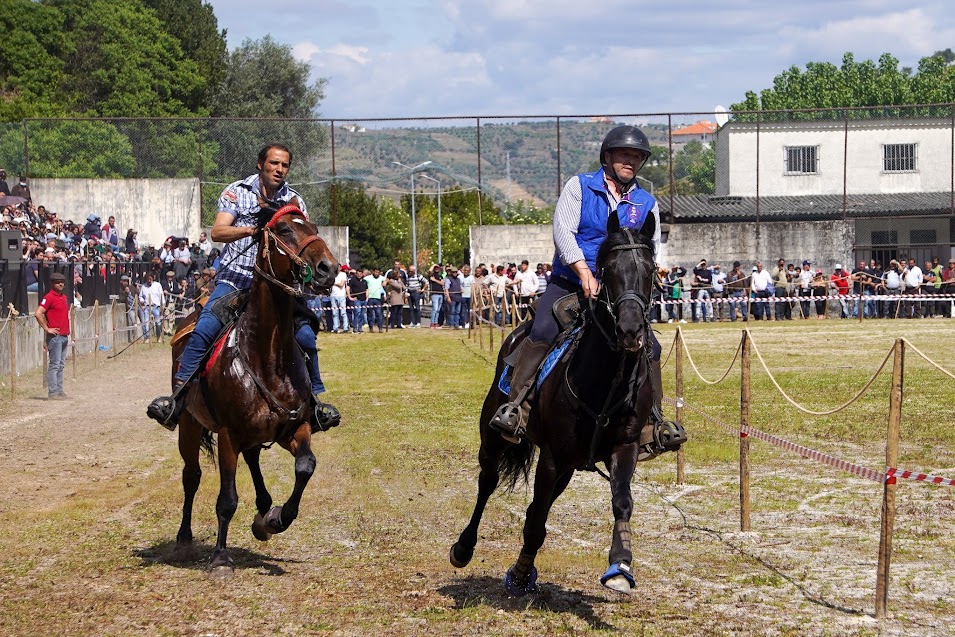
514,464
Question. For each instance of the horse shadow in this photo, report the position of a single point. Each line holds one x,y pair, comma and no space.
197,555
475,590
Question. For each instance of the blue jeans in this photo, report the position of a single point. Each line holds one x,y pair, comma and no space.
465,311
339,315
357,314
436,301
150,315
305,337
206,330
454,314
703,297
414,304
375,315
56,347
739,301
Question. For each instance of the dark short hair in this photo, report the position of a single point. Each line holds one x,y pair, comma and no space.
265,151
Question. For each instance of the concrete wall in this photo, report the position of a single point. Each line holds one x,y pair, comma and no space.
824,243
156,208
512,244
336,238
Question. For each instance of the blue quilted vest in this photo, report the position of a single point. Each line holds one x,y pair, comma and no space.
594,210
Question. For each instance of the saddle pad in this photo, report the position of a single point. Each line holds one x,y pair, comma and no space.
553,357
216,350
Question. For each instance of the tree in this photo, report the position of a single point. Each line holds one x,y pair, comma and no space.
193,23
30,59
378,229
121,62
867,83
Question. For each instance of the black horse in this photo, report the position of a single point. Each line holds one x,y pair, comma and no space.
590,408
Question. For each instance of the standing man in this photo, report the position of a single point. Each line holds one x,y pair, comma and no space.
452,298
719,292
580,227
467,283
761,283
357,295
339,296
150,304
526,283
53,315
376,293
237,224
416,284
913,282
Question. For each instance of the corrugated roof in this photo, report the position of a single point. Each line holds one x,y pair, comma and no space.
692,208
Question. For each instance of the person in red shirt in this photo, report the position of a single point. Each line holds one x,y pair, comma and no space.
53,315
840,282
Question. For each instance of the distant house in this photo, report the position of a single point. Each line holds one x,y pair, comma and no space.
353,128
850,189
702,131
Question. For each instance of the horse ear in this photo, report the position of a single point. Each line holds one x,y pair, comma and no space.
613,222
295,202
649,226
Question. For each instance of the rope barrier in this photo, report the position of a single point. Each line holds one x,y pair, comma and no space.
739,347
928,360
667,358
809,411
782,443
892,473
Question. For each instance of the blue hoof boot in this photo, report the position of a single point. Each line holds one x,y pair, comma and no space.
618,578
520,590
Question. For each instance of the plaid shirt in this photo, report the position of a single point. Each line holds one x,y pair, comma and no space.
240,199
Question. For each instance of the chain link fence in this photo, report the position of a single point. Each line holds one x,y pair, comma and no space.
889,168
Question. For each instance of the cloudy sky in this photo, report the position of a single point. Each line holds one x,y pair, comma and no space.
398,58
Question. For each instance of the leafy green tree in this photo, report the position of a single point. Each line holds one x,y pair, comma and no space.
75,148
378,229
121,62
193,23
31,66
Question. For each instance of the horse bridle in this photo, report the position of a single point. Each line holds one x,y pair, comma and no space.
613,305
303,274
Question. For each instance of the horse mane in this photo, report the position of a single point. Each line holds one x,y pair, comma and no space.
620,238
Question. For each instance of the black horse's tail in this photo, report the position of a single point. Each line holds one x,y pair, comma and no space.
514,464
207,442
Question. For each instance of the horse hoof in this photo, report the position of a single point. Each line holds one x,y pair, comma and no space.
514,588
460,557
221,564
259,528
618,578
273,520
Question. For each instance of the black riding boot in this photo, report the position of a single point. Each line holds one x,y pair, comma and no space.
166,409
659,435
510,419
326,416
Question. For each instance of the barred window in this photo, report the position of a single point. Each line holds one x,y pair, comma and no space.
923,236
885,237
898,158
801,160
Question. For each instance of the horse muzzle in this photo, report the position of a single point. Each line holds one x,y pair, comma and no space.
631,340
323,275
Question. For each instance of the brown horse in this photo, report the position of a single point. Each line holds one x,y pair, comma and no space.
257,390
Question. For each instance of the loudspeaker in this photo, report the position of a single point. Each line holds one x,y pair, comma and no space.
11,245
12,288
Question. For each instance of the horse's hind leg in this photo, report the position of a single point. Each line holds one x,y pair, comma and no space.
280,518
189,436
227,502
491,448
549,483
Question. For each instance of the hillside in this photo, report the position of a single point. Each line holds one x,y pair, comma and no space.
523,152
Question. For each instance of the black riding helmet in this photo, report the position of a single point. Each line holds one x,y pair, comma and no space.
625,136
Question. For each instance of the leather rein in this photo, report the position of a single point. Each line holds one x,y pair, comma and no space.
304,272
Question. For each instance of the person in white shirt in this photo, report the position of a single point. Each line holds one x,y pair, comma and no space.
527,284
339,297
150,302
913,280
719,287
761,283
497,285
204,244
467,282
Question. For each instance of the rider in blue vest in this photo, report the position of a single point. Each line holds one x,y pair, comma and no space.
236,224
580,226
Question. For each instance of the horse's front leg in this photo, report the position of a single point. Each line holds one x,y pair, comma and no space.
189,442
623,462
280,518
227,502
263,499
549,482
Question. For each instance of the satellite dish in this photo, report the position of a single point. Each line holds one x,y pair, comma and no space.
721,115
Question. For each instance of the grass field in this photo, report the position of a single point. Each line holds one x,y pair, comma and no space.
91,500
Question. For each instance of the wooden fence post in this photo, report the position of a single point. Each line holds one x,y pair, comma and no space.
12,324
96,333
888,494
744,404
480,325
678,352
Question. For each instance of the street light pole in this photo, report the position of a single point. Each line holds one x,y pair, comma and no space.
440,252
414,223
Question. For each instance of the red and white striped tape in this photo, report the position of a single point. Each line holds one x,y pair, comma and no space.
892,473
807,299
